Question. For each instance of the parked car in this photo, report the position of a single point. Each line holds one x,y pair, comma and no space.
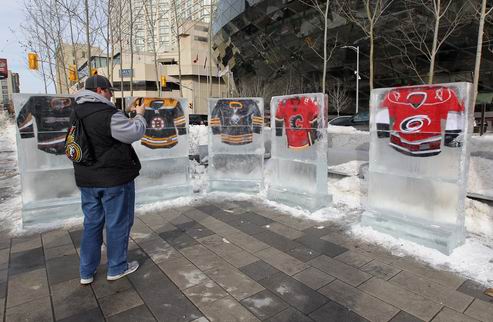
197,119
361,121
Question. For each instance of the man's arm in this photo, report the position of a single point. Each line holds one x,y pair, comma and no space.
127,130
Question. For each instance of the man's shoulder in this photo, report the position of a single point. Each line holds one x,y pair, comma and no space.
87,108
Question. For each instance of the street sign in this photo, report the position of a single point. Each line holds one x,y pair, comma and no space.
126,72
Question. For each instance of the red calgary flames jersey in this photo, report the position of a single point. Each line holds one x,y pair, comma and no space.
299,116
416,117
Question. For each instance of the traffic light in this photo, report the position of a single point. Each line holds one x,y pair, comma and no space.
163,81
94,71
72,73
33,61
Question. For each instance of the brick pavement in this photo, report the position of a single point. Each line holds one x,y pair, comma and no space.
232,261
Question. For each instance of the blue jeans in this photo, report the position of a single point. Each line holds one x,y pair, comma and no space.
115,207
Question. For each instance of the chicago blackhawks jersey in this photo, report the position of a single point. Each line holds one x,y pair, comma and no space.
52,115
415,118
299,115
236,120
165,121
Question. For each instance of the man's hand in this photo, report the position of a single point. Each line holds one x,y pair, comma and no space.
139,109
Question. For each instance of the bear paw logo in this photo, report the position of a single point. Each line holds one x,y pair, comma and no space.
73,152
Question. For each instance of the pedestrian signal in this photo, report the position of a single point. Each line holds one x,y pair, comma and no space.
33,61
72,73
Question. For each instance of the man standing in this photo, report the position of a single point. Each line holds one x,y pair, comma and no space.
107,186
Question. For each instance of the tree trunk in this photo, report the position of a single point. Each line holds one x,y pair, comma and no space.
371,23
60,52
435,44
88,39
479,50
50,62
210,48
122,105
112,60
324,76
131,49
179,46
108,28
371,57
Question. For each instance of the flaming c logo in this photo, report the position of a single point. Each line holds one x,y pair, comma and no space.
296,121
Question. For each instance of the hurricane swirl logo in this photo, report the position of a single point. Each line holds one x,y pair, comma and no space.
414,123
73,152
296,122
157,123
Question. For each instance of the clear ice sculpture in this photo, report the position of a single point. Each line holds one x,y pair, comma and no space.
299,151
163,151
47,178
236,144
418,163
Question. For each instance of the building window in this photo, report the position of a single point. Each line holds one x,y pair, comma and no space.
202,39
201,28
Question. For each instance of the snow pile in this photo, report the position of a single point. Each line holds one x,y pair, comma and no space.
348,192
479,218
351,168
344,129
473,259
197,135
198,176
481,165
10,215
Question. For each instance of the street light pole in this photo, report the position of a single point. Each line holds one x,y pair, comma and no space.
356,49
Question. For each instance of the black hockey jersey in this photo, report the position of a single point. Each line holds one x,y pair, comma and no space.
52,116
165,119
236,120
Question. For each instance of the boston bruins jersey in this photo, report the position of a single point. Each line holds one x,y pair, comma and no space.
299,115
236,120
52,116
165,121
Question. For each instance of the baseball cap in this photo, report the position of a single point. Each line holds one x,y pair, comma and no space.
96,81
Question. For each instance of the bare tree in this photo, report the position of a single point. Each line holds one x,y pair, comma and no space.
338,97
255,87
416,37
86,7
152,20
178,36
323,9
483,14
367,22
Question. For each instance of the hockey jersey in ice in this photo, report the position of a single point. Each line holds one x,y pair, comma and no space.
236,120
52,115
415,118
165,121
299,115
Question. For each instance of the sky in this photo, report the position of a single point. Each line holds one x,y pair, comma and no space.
10,37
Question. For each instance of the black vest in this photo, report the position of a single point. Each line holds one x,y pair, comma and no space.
116,162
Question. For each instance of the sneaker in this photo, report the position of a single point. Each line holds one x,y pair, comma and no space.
132,267
85,281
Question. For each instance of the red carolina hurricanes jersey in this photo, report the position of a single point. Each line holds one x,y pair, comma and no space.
416,118
299,116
